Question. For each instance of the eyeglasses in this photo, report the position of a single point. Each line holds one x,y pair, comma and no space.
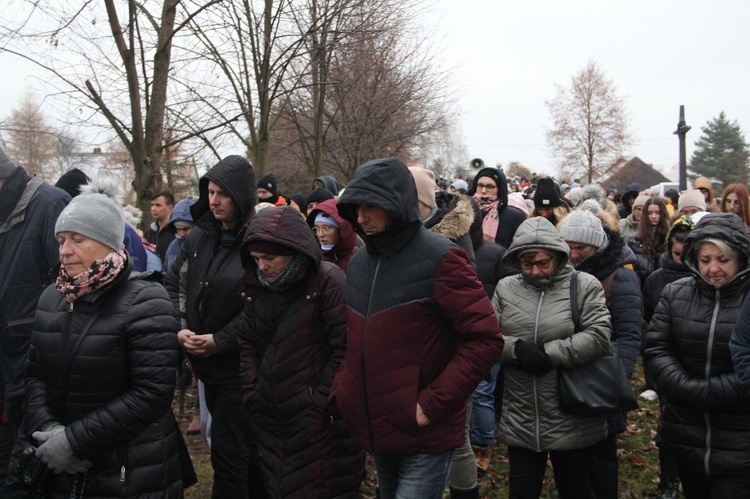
486,187
540,264
322,229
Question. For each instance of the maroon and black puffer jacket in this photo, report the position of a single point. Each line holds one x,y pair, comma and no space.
291,346
421,328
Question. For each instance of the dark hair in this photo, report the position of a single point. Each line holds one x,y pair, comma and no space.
673,195
743,196
168,197
652,238
678,235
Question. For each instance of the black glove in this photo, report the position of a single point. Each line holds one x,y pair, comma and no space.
533,358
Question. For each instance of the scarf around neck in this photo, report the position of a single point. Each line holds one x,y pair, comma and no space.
98,275
490,218
293,272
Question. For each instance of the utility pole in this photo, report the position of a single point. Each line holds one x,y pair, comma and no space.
682,130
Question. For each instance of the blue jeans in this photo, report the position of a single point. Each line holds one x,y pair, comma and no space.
483,410
407,477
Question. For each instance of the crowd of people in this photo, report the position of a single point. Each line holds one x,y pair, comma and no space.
405,316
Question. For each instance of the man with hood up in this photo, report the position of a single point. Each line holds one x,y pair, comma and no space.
421,334
213,308
328,183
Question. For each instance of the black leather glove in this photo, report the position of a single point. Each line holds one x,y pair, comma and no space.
532,358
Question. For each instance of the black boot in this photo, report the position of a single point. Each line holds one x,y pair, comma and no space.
464,493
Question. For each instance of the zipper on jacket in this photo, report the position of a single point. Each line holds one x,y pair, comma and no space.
706,374
362,350
537,424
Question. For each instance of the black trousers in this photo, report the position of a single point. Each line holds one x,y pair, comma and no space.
571,469
605,469
234,454
696,485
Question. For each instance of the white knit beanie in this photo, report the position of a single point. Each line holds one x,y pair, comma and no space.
582,226
691,197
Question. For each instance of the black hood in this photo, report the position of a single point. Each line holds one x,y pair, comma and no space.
502,184
235,176
388,184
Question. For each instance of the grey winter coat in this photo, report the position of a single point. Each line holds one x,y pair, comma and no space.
538,311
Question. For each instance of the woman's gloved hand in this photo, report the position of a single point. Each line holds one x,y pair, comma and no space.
533,358
55,450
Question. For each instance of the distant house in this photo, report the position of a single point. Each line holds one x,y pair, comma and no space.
623,173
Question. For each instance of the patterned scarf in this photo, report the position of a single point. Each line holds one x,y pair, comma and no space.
100,273
293,272
490,222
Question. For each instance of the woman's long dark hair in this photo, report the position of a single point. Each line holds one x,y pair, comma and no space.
742,194
653,238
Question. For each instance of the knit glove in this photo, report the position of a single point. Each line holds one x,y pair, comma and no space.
55,450
533,358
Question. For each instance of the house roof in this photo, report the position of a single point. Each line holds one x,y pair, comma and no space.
623,173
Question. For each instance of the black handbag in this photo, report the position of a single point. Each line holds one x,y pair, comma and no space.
34,472
598,388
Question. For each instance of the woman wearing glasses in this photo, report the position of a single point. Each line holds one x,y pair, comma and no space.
499,221
336,237
535,316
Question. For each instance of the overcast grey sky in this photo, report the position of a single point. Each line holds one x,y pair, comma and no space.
509,54
660,54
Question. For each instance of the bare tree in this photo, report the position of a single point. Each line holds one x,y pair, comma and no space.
589,123
120,74
31,141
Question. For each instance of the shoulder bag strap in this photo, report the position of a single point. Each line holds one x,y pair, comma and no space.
574,298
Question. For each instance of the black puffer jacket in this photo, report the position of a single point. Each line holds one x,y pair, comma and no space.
646,263
291,346
668,273
706,418
213,256
116,404
489,256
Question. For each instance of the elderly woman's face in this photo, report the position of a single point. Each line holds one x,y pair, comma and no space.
78,252
716,267
537,263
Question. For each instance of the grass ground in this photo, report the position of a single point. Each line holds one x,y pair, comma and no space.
639,463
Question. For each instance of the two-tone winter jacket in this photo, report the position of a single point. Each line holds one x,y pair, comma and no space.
420,328
343,250
29,257
538,311
292,343
116,402
213,289
706,418
625,305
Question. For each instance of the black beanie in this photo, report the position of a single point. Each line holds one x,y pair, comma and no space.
72,181
318,196
267,182
547,194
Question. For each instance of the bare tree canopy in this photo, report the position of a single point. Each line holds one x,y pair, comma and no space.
590,126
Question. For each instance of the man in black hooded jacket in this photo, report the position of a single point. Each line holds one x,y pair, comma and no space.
213,308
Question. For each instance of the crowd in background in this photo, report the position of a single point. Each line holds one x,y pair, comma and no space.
414,318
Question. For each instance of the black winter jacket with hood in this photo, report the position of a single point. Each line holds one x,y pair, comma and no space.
706,418
116,403
213,256
489,255
292,343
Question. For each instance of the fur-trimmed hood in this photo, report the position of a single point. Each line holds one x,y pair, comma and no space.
454,216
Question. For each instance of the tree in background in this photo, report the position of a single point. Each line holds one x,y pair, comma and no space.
30,140
721,152
517,168
589,124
